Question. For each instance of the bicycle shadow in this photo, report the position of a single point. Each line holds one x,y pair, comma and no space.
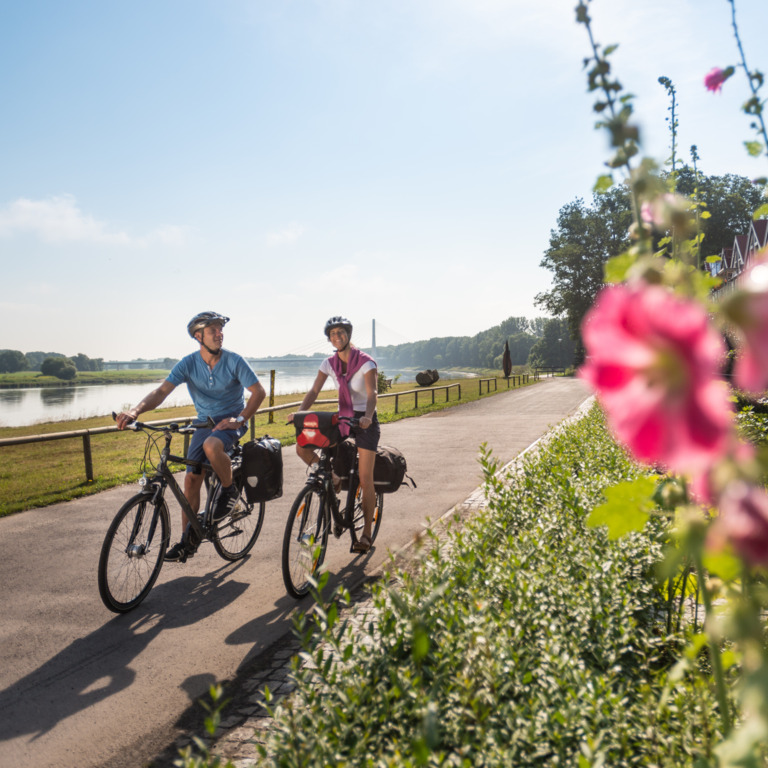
97,666
351,575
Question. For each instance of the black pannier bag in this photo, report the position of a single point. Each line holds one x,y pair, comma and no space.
344,460
262,469
316,429
389,469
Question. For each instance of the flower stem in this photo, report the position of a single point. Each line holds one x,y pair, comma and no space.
758,107
714,653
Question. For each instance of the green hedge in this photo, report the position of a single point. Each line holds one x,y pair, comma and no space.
525,639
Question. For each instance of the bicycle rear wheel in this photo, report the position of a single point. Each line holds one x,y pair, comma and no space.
234,536
132,552
358,518
305,541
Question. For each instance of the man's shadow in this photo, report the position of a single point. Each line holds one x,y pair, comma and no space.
96,667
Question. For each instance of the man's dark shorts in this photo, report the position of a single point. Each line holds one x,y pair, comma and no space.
366,438
227,436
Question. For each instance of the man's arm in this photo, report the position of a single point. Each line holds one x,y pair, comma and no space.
254,401
149,403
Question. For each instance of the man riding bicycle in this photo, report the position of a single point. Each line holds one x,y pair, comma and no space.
216,379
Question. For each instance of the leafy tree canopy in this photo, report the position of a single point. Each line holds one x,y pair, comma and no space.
60,367
11,361
484,350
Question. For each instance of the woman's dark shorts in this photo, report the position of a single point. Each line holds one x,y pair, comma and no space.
366,438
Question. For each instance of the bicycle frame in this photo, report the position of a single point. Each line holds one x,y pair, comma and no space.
163,478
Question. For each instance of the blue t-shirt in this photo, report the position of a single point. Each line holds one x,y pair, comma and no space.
217,392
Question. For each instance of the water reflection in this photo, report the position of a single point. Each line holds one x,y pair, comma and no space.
14,395
53,397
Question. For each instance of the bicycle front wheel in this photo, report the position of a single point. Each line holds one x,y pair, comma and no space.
305,541
132,552
234,536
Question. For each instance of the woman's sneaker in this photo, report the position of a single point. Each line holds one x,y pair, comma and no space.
226,502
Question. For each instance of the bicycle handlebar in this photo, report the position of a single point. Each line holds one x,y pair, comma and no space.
174,426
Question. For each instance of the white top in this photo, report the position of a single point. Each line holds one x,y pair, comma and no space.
356,383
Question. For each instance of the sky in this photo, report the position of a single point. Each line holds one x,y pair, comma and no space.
282,161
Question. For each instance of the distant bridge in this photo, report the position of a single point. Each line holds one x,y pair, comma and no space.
160,364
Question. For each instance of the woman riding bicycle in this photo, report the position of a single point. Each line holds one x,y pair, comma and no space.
356,377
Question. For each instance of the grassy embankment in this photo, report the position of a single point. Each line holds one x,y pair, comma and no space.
40,474
24,379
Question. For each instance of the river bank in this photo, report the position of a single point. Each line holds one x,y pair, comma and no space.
35,379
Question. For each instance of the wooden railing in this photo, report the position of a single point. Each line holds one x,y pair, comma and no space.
421,391
85,434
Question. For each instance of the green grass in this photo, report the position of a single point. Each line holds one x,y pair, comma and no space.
58,469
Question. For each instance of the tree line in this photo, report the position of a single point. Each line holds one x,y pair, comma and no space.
539,341
588,235
48,363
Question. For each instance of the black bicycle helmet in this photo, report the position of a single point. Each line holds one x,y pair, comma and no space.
337,321
203,320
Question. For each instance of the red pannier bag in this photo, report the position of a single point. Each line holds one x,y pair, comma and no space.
317,429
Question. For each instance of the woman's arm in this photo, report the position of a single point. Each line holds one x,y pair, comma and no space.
372,397
314,391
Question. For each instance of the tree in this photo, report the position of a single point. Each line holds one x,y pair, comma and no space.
730,201
35,359
554,348
585,238
84,363
60,367
11,360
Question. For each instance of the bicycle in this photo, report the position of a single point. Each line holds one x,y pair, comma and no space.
136,541
315,512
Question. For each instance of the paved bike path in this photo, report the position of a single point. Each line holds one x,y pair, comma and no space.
80,686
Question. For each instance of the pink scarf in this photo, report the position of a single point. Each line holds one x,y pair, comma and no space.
357,360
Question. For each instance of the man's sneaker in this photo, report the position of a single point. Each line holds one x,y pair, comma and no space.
225,503
176,554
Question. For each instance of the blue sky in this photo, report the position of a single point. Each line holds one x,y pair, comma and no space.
282,161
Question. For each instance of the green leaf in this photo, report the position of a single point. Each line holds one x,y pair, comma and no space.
627,508
603,183
723,564
755,148
616,268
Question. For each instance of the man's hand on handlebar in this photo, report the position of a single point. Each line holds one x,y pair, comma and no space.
123,419
230,423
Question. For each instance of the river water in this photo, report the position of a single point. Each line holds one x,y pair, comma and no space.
22,407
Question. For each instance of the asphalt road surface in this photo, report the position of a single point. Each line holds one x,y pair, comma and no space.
81,686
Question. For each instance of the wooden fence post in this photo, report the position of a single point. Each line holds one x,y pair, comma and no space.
87,455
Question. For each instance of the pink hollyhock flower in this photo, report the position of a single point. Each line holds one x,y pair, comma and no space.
748,309
667,211
743,521
714,79
654,361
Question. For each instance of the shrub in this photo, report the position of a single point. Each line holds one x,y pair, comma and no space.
527,638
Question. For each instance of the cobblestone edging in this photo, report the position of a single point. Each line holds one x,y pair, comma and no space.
242,730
